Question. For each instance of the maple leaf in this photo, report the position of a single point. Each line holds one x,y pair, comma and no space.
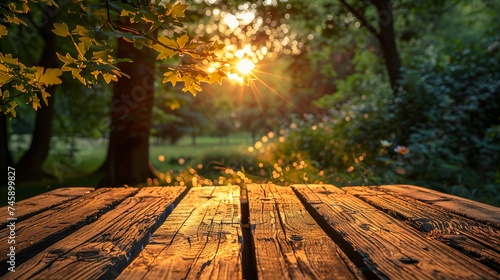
12,107
167,42
3,30
109,77
178,10
216,77
68,59
50,77
35,102
181,41
61,29
190,85
170,77
164,52
44,97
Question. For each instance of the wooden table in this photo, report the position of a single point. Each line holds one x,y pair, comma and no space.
250,232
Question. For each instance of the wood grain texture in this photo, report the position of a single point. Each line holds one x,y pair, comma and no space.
459,205
102,249
477,240
289,244
201,239
390,249
46,228
34,205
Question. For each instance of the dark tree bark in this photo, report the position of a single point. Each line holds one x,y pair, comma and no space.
385,35
387,40
30,164
127,161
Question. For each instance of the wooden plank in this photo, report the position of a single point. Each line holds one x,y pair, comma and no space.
46,228
389,248
34,205
199,240
475,239
102,249
289,244
459,205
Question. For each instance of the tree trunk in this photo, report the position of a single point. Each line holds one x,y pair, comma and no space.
127,161
387,40
30,164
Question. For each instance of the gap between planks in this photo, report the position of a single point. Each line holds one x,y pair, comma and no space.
289,244
201,239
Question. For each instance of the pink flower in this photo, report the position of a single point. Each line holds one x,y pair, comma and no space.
402,150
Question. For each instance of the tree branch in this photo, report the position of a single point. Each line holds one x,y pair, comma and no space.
108,20
361,18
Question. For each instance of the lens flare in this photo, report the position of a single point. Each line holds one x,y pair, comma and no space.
245,66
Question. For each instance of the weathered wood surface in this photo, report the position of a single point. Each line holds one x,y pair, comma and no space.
389,248
48,227
288,242
34,205
477,240
461,206
201,239
102,249
256,231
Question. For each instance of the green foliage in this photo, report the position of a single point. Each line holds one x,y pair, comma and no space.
452,107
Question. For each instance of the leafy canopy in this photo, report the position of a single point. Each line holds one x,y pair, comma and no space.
150,24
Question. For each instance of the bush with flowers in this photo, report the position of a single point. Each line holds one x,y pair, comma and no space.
441,131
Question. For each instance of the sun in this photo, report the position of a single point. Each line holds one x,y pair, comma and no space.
245,66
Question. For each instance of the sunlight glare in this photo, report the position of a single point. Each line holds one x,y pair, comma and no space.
231,21
245,66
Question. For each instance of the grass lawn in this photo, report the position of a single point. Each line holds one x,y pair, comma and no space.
77,170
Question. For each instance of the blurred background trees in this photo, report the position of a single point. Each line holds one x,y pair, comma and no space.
339,85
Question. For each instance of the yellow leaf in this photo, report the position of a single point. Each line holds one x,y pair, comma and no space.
50,77
101,54
35,102
68,59
168,42
76,75
171,77
12,107
178,10
19,8
44,97
61,29
3,30
216,77
192,54
15,20
4,78
181,41
51,3
190,85
218,46
8,59
126,13
109,77
164,52
82,48
80,30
